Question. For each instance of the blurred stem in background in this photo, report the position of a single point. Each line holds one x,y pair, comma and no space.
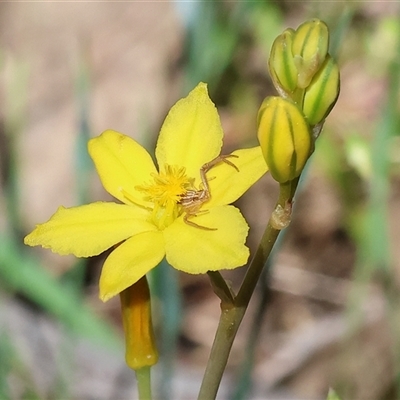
391,121
211,39
371,226
215,35
165,283
362,170
74,278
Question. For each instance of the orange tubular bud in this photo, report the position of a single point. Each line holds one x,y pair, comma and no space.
140,345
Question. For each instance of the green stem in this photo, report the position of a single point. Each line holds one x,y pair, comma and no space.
298,97
268,240
232,314
144,383
221,287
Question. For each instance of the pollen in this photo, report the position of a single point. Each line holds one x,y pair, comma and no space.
167,186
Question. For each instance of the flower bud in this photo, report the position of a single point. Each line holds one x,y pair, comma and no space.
309,49
281,65
140,348
322,93
285,138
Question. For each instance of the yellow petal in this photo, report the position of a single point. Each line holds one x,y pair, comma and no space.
90,229
129,262
227,184
122,164
196,251
191,134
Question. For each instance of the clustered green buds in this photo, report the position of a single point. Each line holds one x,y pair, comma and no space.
307,79
299,63
285,138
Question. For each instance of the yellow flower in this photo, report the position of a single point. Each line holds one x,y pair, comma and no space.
151,222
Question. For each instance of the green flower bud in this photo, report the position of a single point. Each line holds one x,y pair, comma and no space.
285,138
281,65
322,93
309,49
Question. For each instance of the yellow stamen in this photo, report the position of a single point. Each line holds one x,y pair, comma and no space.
165,192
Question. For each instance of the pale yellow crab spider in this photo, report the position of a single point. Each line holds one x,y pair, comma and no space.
192,200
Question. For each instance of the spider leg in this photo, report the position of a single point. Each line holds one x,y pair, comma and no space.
221,158
191,223
206,167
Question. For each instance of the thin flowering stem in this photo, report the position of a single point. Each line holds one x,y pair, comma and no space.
286,194
144,383
232,314
221,287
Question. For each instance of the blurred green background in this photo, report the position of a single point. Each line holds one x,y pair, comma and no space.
328,313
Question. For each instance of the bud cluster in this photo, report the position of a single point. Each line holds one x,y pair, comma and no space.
307,80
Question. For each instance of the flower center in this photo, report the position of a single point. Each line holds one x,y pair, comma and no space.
165,192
